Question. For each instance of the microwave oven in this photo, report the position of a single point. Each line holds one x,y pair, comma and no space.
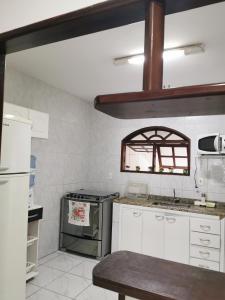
211,144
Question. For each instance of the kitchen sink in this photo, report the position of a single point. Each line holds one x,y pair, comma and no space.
172,204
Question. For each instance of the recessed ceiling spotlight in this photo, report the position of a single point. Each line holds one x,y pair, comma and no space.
168,54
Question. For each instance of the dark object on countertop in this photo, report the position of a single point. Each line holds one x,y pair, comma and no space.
35,214
148,278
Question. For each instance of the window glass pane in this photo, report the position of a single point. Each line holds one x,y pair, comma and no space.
181,162
149,133
156,138
180,151
163,133
174,137
167,161
139,138
166,151
138,161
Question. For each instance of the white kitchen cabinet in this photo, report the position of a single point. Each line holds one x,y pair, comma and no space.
153,234
130,230
16,110
40,122
16,144
177,238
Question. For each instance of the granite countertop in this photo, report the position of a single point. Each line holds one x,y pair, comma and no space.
177,204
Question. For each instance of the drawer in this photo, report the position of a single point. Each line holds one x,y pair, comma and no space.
206,240
210,265
206,226
205,253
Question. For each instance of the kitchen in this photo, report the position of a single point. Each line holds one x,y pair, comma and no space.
79,138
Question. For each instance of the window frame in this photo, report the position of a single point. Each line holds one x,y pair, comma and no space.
157,144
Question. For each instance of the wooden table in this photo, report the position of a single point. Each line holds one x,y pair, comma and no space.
148,278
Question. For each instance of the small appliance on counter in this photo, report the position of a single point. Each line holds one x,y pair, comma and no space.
136,191
86,223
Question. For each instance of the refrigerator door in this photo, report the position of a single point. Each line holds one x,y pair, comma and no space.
13,240
16,146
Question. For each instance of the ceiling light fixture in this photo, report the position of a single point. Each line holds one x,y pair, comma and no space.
168,54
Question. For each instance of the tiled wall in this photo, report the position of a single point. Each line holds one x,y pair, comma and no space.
104,163
62,159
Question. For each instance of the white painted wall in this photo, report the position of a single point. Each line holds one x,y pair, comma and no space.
17,13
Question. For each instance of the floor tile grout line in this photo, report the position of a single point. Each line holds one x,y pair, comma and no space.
83,291
61,275
53,292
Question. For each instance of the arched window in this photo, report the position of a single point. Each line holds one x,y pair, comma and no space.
156,150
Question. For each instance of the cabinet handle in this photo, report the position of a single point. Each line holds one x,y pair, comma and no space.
204,267
136,214
205,242
159,218
205,227
204,254
171,220
3,182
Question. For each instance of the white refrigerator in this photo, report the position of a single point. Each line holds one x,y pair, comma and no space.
14,192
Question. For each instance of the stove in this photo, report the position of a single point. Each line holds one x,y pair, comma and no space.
93,240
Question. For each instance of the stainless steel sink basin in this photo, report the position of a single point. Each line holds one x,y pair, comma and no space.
172,204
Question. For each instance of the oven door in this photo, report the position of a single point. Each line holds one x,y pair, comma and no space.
94,231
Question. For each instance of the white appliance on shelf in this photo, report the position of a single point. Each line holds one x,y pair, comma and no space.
14,191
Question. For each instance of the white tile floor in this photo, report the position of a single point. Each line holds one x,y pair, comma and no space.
65,276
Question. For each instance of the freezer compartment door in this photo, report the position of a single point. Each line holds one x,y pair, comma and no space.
16,147
94,231
13,244
79,245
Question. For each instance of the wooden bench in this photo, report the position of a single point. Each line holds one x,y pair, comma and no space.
148,278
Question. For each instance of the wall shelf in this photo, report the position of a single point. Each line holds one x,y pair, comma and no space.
196,100
31,240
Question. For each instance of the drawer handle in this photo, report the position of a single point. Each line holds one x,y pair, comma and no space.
159,218
171,220
204,254
204,266
205,227
205,242
136,214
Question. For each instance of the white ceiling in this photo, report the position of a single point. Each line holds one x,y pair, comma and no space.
84,66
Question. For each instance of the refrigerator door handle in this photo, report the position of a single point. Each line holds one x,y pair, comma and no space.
4,168
3,182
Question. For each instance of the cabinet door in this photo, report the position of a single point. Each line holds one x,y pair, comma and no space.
40,122
130,229
16,147
153,234
177,238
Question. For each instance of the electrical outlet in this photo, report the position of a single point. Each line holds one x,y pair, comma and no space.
201,181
